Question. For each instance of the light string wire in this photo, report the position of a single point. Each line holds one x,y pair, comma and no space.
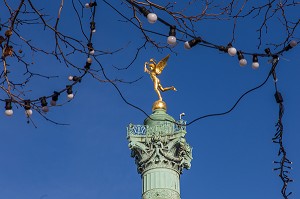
274,64
284,165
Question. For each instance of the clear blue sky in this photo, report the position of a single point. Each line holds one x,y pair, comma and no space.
90,158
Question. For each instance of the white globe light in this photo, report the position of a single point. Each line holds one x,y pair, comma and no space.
94,30
293,43
232,51
171,40
87,5
92,52
255,65
9,112
53,103
28,112
243,62
89,60
187,45
70,78
70,96
152,18
45,109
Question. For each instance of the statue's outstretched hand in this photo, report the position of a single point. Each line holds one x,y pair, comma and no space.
145,67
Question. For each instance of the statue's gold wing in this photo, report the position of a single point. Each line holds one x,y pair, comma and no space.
161,65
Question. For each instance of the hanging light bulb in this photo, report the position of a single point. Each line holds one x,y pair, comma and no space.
27,107
190,44
152,18
70,92
44,104
45,109
89,5
172,39
8,108
54,98
242,60
89,60
74,78
91,49
293,43
8,33
88,63
93,26
255,63
231,50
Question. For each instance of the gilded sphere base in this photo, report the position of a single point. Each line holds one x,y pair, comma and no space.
159,105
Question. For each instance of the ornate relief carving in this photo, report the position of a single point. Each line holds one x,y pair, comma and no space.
161,146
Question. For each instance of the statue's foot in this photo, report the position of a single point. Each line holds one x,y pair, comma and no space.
173,88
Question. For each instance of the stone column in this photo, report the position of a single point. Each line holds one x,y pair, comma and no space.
161,153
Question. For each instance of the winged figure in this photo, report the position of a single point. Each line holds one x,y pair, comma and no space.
154,69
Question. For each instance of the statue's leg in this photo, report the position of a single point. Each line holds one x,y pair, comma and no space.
156,86
166,88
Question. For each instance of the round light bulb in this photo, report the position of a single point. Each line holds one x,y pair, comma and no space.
94,30
92,52
89,60
293,43
70,96
171,40
232,51
9,112
45,109
187,45
243,62
28,112
53,103
87,5
70,78
152,18
255,65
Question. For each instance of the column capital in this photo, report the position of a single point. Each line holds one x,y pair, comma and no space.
159,145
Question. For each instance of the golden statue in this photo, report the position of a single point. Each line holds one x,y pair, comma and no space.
155,70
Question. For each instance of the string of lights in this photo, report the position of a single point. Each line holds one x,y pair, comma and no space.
284,165
41,102
198,40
